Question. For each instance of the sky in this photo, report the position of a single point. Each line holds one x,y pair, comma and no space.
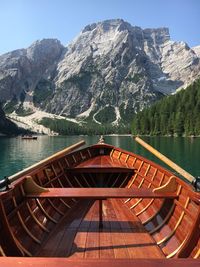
24,21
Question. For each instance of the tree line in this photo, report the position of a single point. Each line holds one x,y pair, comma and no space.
175,115
65,127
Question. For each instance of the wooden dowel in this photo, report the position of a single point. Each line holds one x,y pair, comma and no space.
166,160
46,161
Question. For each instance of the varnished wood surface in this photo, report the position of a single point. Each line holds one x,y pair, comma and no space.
173,224
100,161
98,193
101,164
63,262
123,235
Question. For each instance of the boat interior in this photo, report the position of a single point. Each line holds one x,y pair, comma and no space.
82,205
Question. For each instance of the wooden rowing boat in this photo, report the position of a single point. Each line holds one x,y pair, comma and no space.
99,206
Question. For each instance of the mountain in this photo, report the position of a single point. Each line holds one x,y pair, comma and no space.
197,50
107,73
22,70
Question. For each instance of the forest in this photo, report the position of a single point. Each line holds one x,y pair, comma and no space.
65,127
175,115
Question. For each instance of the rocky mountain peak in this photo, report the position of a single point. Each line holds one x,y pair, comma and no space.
21,70
44,48
107,25
109,71
159,35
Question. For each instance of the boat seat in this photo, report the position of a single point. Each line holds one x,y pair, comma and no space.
100,193
101,164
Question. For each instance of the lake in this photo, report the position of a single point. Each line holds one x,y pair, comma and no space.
16,154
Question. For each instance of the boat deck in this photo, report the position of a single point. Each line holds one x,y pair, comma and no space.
122,235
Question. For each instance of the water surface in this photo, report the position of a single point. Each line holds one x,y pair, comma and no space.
16,154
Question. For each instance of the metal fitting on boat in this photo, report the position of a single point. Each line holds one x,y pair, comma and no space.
4,184
101,140
196,183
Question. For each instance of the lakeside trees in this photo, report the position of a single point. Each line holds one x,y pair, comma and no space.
65,127
177,114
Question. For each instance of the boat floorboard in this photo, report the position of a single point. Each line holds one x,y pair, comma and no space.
122,235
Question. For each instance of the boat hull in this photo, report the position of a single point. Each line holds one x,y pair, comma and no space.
134,226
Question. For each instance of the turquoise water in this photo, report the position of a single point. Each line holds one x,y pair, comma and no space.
16,154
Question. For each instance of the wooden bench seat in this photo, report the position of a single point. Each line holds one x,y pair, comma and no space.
101,164
100,193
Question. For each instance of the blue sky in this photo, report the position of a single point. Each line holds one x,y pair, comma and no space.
24,21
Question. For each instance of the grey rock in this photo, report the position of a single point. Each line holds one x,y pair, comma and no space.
196,49
110,63
21,70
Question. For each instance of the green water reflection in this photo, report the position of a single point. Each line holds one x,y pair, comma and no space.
16,154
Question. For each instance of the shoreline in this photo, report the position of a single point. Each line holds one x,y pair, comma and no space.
106,135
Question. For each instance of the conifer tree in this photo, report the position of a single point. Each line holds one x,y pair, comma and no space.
177,114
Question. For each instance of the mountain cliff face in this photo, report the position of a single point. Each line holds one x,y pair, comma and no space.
21,70
111,70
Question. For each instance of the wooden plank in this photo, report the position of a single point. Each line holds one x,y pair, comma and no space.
92,242
61,239
78,248
105,234
67,243
102,161
137,240
117,236
49,249
63,262
101,164
98,193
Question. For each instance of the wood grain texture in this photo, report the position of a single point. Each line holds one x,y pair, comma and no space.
63,262
123,236
98,193
67,226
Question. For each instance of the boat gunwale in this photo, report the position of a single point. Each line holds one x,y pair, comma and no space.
20,177
63,262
